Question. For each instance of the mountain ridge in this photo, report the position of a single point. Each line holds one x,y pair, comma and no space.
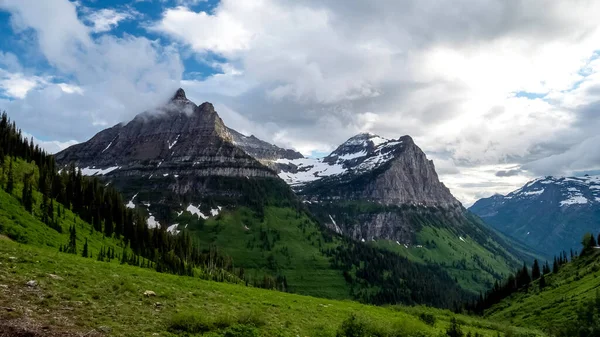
549,213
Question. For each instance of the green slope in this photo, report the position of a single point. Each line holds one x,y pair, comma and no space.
459,243
557,304
24,227
84,295
284,242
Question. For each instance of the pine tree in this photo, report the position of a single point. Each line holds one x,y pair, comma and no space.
10,184
85,249
555,266
27,194
542,282
535,270
546,269
72,240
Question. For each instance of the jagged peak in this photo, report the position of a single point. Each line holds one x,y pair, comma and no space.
179,95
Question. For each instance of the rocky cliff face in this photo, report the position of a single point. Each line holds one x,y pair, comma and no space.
178,138
550,214
368,167
373,188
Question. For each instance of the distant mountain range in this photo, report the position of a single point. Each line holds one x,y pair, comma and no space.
550,214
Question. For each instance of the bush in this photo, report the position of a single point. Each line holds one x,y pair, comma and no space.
454,330
429,319
353,326
190,323
241,330
252,318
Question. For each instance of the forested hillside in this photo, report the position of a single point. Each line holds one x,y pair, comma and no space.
561,297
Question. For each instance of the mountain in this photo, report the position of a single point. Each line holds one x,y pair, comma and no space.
178,138
550,214
387,193
369,167
177,157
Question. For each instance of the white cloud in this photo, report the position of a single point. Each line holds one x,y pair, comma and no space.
17,85
52,146
111,78
313,73
106,19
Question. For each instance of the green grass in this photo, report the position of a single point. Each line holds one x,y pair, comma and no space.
92,294
290,240
557,303
466,260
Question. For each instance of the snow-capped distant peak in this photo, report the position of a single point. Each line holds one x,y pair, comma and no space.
566,191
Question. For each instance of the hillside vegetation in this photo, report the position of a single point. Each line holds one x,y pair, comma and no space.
79,295
561,301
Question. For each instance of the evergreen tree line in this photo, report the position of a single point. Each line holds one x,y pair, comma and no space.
378,277
522,279
101,206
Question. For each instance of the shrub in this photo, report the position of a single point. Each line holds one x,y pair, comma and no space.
251,317
429,319
353,326
191,323
454,330
241,330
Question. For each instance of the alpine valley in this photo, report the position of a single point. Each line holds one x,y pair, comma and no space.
370,221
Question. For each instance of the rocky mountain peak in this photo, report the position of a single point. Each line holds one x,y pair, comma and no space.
370,167
179,95
178,134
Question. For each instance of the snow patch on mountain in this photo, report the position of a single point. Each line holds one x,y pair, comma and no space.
91,171
173,144
130,204
173,229
152,222
359,154
196,211
576,199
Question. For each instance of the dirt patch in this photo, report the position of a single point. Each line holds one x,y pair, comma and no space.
15,330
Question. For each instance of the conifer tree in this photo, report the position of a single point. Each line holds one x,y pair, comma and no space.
546,269
85,249
10,183
27,194
72,240
542,282
535,270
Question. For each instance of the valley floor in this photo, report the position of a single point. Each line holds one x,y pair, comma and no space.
81,296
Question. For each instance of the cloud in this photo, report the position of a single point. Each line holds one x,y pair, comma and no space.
484,81
17,85
52,146
483,87
508,173
109,79
106,19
